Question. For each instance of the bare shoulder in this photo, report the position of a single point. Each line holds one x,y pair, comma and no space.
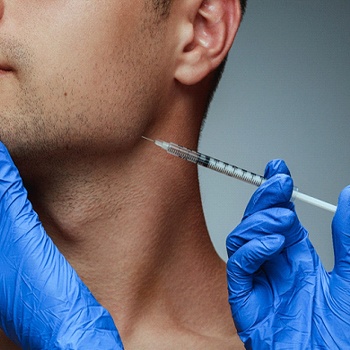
6,343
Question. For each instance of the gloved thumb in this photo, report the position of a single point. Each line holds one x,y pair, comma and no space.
274,167
14,205
341,235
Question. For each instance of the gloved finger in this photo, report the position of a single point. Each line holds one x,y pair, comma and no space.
274,167
276,191
341,235
14,206
242,266
266,222
43,302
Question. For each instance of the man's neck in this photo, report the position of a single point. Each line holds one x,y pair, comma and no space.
132,226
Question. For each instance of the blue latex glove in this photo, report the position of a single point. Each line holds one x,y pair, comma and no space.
43,302
281,297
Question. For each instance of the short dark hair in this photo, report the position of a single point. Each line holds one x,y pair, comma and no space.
163,6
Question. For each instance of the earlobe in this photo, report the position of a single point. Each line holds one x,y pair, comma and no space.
212,30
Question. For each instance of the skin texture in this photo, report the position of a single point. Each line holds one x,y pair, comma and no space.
80,82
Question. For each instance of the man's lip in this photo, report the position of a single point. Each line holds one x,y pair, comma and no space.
5,68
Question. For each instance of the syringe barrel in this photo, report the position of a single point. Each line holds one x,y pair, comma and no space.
183,152
215,164
233,171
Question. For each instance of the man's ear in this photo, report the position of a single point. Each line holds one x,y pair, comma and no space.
206,37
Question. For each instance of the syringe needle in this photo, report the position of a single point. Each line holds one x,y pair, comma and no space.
148,139
162,144
232,170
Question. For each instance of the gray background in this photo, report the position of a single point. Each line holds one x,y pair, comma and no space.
285,94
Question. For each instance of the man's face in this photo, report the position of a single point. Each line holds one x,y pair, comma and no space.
76,74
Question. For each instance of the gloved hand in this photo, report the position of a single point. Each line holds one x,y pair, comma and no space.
43,302
281,297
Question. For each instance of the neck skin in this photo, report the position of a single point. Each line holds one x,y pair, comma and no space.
132,226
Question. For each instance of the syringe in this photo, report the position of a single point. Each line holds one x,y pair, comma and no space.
232,170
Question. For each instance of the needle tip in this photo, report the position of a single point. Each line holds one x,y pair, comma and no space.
148,139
